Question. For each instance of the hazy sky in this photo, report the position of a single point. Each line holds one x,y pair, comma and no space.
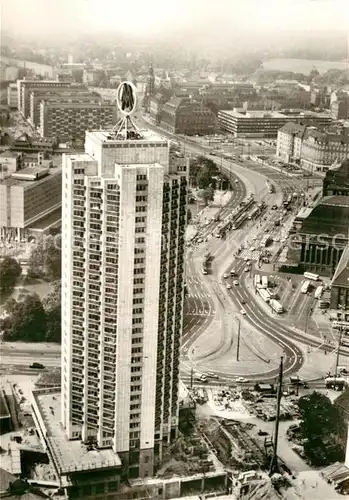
144,17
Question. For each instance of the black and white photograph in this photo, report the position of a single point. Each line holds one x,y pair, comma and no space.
174,249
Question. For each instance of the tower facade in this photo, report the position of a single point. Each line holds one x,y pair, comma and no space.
123,223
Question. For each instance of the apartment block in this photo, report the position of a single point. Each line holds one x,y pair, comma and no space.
26,86
36,96
69,120
123,224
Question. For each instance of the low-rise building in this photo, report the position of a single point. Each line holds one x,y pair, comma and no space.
30,201
12,96
188,117
70,120
28,144
249,124
310,147
340,284
10,162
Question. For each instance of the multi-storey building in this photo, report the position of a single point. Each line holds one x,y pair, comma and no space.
340,283
319,235
336,181
30,201
289,142
69,119
12,95
25,86
340,108
61,94
312,148
124,217
185,116
242,123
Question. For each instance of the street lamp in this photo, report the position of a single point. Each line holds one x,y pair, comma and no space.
238,340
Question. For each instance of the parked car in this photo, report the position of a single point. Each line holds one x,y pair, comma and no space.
38,366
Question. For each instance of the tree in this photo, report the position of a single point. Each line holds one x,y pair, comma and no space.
10,271
52,306
45,259
26,320
321,425
206,195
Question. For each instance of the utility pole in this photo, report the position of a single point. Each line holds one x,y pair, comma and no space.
191,377
238,342
338,351
274,460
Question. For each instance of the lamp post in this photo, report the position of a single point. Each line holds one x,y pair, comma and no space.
238,340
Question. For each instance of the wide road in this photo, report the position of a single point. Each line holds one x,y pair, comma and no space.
254,178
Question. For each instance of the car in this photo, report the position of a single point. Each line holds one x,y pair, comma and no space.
36,365
241,380
247,269
232,272
246,259
243,301
243,311
225,276
212,375
235,283
253,249
228,286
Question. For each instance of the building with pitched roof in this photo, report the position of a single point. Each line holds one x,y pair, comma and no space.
340,283
13,488
313,148
188,117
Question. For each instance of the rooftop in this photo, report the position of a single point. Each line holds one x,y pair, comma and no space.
69,456
329,217
293,128
109,137
341,275
30,175
239,113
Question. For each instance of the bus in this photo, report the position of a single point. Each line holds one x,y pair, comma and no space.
264,294
311,276
266,240
265,281
341,325
305,287
318,292
336,383
257,280
276,306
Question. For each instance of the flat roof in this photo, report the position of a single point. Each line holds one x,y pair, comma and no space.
287,114
12,181
70,456
109,137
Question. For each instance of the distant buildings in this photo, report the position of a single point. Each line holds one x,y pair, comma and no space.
242,123
312,148
12,96
30,198
188,117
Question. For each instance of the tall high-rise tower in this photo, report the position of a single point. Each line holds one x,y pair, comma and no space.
123,223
